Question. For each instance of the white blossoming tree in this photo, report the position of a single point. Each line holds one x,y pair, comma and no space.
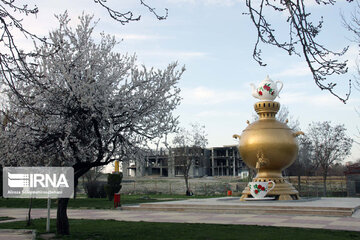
88,107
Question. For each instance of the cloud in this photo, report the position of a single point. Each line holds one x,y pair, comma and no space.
326,100
221,114
206,96
313,3
230,3
175,54
292,97
322,100
162,58
298,70
226,3
140,37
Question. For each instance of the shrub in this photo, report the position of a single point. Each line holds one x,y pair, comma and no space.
113,185
95,189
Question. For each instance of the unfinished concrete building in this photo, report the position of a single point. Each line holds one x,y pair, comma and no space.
226,161
199,158
352,174
217,161
155,163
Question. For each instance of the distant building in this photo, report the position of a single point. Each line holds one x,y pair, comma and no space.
218,161
152,165
352,174
226,161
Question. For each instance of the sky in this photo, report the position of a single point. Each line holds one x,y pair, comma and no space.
214,40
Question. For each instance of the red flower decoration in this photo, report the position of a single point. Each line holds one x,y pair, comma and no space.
260,93
256,191
263,189
259,186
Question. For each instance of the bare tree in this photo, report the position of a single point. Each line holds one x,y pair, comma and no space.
303,165
337,169
92,106
305,157
321,61
330,144
188,150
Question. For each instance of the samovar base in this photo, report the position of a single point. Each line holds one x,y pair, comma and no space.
283,190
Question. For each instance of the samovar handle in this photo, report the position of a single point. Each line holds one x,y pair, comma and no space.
236,136
296,134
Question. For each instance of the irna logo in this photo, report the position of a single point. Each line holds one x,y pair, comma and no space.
37,180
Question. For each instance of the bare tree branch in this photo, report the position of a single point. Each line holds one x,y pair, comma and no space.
321,61
126,17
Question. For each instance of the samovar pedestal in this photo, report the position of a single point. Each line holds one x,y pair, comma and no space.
283,190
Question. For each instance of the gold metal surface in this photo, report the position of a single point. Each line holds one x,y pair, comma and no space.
116,166
269,146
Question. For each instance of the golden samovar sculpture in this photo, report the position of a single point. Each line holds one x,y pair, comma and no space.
268,145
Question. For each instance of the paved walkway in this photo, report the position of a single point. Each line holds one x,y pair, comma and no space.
320,222
327,202
334,223
17,234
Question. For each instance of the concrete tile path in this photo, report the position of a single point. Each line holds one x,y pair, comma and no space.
17,234
320,222
334,223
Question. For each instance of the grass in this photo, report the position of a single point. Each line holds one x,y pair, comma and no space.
5,218
110,229
97,203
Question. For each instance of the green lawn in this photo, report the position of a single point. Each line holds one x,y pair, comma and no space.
110,229
97,203
2,218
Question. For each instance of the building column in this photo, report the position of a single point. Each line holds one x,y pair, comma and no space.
171,166
125,170
234,164
212,162
191,170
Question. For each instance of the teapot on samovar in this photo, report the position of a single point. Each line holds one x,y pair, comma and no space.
267,90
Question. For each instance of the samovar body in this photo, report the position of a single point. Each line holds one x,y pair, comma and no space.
269,146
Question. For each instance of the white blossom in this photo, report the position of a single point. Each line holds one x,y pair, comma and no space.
92,105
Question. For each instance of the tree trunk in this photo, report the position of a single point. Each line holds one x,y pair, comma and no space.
324,178
62,221
28,222
76,181
75,191
186,177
